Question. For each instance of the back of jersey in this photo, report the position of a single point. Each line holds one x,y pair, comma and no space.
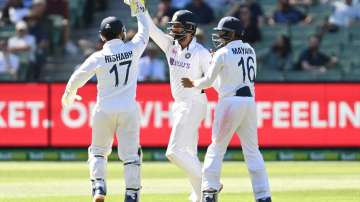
239,68
117,74
116,69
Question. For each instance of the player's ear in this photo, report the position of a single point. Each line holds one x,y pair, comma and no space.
190,37
124,33
122,36
102,38
233,36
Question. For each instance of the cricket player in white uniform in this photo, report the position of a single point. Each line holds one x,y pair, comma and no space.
186,58
116,110
232,73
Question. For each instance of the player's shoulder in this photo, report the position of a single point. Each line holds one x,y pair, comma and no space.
199,46
95,57
129,43
239,47
252,48
202,49
134,45
97,54
221,51
219,54
247,45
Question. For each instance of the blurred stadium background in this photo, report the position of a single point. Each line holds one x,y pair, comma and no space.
308,93
66,32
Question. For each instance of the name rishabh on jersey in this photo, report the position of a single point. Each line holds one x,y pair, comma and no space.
118,57
116,70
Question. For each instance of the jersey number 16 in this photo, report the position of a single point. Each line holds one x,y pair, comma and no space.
115,69
249,67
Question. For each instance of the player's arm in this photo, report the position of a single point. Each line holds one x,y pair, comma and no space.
205,60
157,35
77,80
141,38
210,76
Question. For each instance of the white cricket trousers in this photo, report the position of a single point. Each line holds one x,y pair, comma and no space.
235,114
182,148
126,125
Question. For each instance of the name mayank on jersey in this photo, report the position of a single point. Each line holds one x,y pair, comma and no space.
242,50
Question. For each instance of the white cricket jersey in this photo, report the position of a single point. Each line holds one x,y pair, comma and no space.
233,66
116,70
191,62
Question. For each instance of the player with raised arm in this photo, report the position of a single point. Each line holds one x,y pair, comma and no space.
116,110
186,58
233,72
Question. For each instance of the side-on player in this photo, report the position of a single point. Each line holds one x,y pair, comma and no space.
116,110
186,58
233,72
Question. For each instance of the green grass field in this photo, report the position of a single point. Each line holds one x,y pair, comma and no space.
163,182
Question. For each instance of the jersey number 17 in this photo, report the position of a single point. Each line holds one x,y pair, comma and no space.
115,70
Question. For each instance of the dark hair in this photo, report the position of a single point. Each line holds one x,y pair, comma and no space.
244,6
110,36
5,10
239,36
286,49
5,13
317,36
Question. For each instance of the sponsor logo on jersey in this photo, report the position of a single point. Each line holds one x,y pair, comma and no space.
177,63
118,57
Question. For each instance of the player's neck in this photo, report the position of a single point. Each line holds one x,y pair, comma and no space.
185,44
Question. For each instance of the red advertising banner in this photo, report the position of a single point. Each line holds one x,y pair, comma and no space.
309,115
71,127
289,115
24,115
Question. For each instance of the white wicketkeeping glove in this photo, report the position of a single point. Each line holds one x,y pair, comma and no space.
69,97
136,6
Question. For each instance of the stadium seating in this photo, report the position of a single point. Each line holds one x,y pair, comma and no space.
266,75
345,44
334,74
57,31
300,76
7,31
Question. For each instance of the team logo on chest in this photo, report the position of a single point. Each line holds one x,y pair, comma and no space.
188,55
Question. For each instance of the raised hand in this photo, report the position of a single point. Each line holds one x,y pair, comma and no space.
136,6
